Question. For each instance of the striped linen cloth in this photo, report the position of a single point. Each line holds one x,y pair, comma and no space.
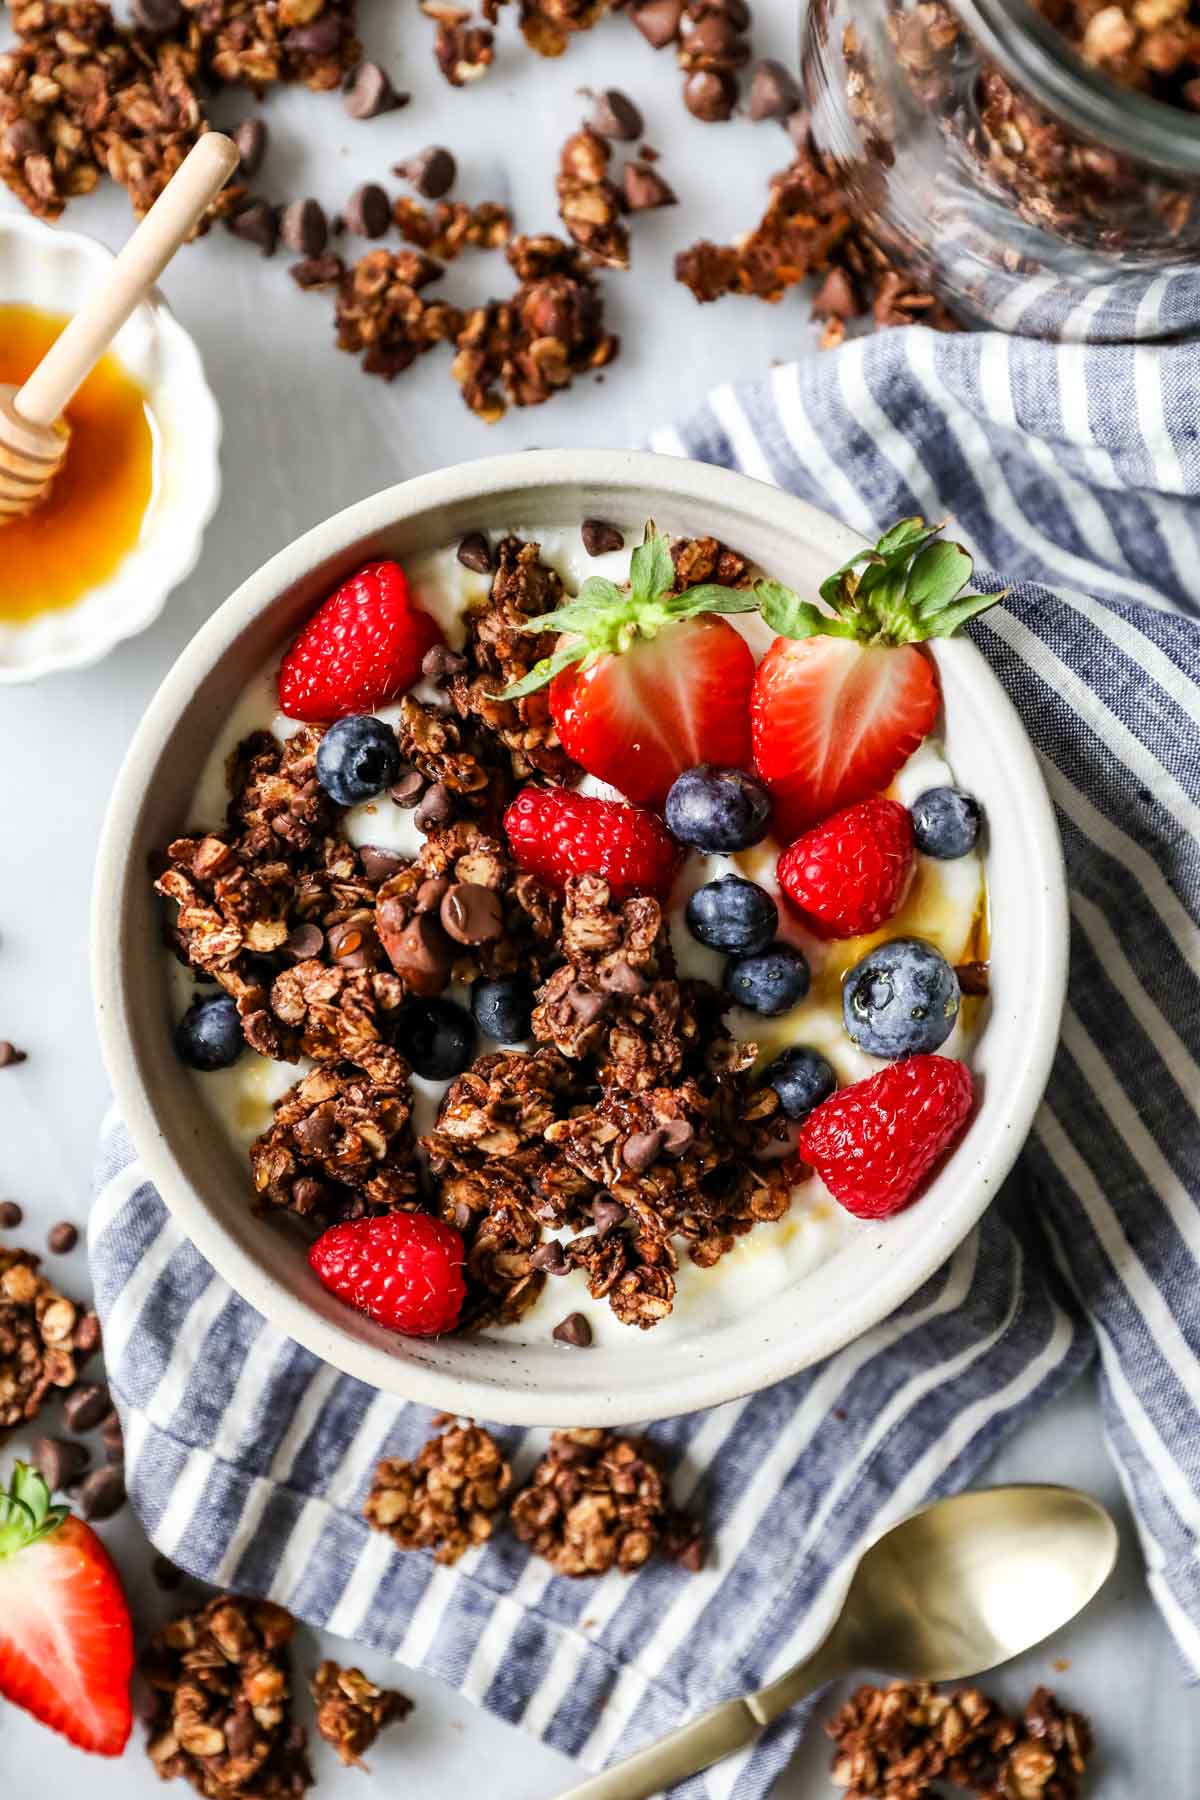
1074,467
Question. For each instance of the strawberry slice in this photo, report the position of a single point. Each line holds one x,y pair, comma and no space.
362,647
66,1642
640,718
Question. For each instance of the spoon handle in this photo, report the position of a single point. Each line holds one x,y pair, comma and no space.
694,1746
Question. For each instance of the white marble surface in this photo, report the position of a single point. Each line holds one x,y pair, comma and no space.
305,434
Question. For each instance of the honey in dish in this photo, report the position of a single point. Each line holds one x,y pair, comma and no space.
92,517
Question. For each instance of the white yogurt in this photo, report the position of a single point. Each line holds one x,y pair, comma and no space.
943,906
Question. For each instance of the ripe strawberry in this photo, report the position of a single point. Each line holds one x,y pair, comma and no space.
404,1270
850,873
873,1143
554,833
842,698
646,683
66,1642
362,647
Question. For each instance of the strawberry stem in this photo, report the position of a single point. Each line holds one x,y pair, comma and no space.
26,1514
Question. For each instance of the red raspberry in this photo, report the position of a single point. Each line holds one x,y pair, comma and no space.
361,648
554,834
873,1143
850,872
404,1270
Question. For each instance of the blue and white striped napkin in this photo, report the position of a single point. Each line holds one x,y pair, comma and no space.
1075,472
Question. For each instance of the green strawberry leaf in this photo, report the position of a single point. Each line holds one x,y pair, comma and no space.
788,615
952,618
651,571
938,572
710,597
544,671
25,1511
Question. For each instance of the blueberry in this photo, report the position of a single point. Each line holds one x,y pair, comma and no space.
357,758
802,1079
945,822
901,999
437,1037
502,1007
771,982
209,1035
717,809
733,915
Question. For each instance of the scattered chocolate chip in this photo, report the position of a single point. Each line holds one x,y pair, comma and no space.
642,1149
10,1056
709,96
304,942
251,140
62,1237
431,171
773,91
658,21
607,1214
157,16
623,978
85,1406
573,1330
550,1257
677,1135
429,894
379,865
112,1435
973,977
368,211
585,1005
10,1215
614,115
475,553
255,223
369,92
102,1493
166,1574
303,227
690,1553
23,138
353,944
315,1134
835,298
645,189
408,789
472,914
440,662
421,952
462,1216
317,271
319,37
797,126
437,808
307,1195
599,537
59,1462
87,1337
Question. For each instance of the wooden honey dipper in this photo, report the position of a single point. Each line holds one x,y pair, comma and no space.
34,436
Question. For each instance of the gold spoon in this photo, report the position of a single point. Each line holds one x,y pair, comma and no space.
961,1585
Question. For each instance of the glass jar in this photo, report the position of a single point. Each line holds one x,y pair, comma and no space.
1022,186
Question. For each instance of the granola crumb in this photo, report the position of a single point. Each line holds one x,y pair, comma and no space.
44,1338
352,1711
446,1499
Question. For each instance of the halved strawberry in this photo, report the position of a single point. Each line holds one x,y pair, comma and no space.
843,698
66,1642
362,647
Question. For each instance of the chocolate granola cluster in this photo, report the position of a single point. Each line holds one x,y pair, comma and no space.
44,1338
352,1711
445,1500
598,1501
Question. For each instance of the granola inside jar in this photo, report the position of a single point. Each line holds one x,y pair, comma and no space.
1039,169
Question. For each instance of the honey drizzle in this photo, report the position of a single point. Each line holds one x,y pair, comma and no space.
75,540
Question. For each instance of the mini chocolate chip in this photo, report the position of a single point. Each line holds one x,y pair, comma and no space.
303,227
10,1056
549,1257
251,140
307,1194
62,1238
59,1462
379,864
474,552
599,537
241,1730
85,1406
607,1214
677,1135
431,171
166,1575
439,662
797,126
585,1005
110,1431
658,21
408,789
615,116
368,212
102,1493
87,1337
709,96
690,1555
437,808
369,92
354,945
573,1330
623,978
10,1215
773,91
429,894
472,914
157,16
421,953
714,37
319,37
462,1216
304,942
645,189
23,138
317,271
973,977
255,223
315,1134
642,1149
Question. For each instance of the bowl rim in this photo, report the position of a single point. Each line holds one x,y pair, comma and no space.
686,482
178,558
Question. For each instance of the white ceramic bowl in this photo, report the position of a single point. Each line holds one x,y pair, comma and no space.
207,1187
55,270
